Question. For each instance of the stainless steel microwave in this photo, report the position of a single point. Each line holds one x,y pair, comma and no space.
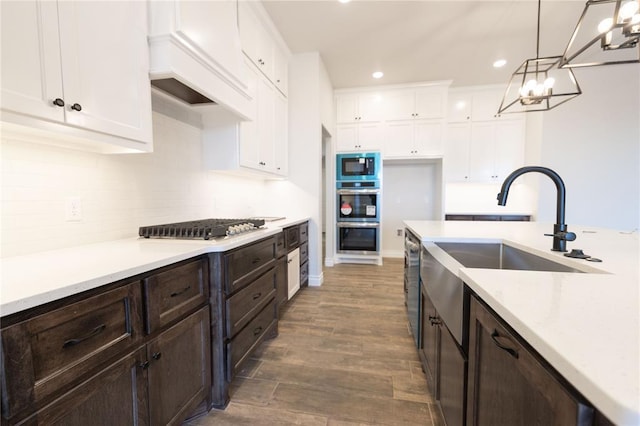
358,166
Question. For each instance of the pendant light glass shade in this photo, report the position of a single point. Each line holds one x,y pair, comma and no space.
539,85
608,32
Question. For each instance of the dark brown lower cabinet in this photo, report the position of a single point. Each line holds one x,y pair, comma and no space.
178,369
429,341
452,379
509,384
116,395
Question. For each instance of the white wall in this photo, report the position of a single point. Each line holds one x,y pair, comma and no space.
593,142
410,192
119,193
302,192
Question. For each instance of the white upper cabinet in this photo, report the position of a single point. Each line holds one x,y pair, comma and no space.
359,107
79,72
413,139
367,136
474,104
259,44
415,104
484,151
256,147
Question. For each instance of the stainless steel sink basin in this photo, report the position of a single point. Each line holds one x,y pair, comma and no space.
500,256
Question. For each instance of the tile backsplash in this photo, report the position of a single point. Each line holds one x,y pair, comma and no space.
118,193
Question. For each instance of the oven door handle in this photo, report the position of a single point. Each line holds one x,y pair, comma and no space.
357,191
358,224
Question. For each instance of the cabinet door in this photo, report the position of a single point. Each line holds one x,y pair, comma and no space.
509,142
31,70
459,107
105,67
370,136
116,395
399,105
346,108
179,369
266,128
430,102
428,138
429,341
370,107
456,157
293,272
280,70
249,144
508,385
281,135
399,139
281,282
481,152
346,137
452,369
485,105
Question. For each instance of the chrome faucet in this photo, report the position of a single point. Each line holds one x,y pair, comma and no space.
560,234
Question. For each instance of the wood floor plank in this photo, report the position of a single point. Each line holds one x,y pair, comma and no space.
344,357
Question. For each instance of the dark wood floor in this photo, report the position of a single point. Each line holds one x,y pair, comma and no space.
344,356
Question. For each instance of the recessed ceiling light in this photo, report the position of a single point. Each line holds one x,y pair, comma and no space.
344,1
500,63
377,74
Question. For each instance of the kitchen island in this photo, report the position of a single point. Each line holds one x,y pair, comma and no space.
585,325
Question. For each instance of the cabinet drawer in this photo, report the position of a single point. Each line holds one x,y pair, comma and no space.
172,294
281,247
244,264
304,273
241,347
292,236
304,232
246,303
304,252
51,351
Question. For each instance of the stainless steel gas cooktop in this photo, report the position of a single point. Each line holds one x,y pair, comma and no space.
201,229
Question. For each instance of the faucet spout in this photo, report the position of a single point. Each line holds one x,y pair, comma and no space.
560,234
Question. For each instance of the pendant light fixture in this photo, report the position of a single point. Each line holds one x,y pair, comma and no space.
539,84
608,32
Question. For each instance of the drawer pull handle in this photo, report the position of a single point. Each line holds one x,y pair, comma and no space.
257,331
72,342
257,296
256,260
178,293
156,355
495,335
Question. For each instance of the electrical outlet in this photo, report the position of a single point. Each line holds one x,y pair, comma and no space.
73,209
399,232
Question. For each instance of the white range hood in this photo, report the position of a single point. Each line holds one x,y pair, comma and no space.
196,57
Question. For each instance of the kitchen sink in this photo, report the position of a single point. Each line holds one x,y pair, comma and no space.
500,256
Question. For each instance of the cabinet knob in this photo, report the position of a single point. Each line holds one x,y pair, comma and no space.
76,107
58,102
144,365
157,355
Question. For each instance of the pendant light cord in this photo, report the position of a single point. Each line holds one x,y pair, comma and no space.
538,33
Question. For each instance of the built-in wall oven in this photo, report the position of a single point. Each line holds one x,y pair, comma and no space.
358,205
359,237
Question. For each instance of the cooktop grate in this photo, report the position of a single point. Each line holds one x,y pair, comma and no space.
197,229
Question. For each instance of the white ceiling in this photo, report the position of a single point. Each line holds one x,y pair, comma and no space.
424,40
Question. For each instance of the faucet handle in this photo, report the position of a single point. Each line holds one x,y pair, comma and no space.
566,236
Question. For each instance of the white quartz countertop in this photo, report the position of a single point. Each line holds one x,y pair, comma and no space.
39,278
585,325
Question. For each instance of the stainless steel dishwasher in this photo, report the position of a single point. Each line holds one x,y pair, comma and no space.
412,282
